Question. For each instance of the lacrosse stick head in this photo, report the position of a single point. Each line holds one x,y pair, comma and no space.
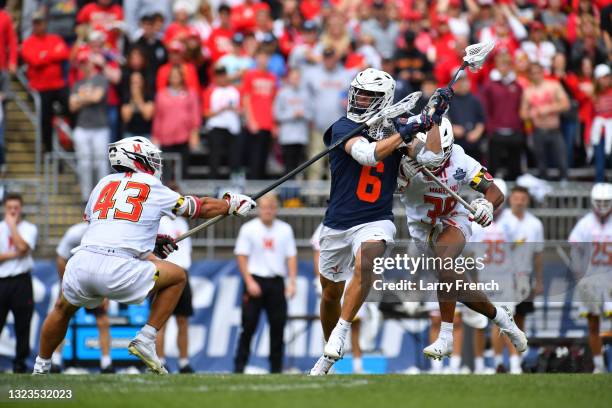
476,54
381,125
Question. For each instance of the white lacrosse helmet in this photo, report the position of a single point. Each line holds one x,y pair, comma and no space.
601,199
135,154
447,140
371,90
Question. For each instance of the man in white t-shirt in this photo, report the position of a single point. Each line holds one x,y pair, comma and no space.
17,241
184,308
266,254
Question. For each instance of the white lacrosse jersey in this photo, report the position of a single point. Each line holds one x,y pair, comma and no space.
71,239
590,230
493,243
426,202
124,210
267,247
175,228
528,239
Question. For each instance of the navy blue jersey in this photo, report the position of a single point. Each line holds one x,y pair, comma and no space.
358,193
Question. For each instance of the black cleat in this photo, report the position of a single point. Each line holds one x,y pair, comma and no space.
186,370
20,367
110,369
56,369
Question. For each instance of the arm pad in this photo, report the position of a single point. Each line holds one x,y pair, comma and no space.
188,206
427,157
481,181
364,152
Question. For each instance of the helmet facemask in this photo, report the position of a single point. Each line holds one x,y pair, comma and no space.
602,207
363,103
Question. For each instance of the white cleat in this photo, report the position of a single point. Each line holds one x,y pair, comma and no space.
439,349
41,367
516,335
334,348
146,352
322,366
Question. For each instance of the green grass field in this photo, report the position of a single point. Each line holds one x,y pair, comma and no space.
295,391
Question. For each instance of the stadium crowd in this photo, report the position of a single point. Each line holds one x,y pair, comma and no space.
253,80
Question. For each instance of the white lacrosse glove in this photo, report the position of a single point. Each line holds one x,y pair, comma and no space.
483,212
407,170
239,204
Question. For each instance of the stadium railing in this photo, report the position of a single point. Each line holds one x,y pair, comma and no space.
33,116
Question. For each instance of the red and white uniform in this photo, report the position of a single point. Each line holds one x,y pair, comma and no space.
494,244
592,262
124,212
428,205
527,241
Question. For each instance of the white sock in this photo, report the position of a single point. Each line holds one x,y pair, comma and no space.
183,362
42,364
598,361
515,363
162,360
357,365
105,361
56,358
342,327
436,365
479,365
501,317
455,362
446,331
148,332
41,360
498,359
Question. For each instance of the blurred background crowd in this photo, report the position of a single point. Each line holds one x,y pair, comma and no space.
248,87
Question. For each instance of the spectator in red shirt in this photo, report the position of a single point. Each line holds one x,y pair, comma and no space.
8,44
179,29
44,54
177,119
503,123
176,58
258,92
244,15
105,16
220,39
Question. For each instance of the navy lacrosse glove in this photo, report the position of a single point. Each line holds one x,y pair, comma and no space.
414,124
440,101
164,246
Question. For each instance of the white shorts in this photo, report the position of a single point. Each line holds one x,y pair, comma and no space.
339,247
92,276
595,295
419,231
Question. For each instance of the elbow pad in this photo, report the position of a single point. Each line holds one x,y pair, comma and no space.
430,159
364,152
188,206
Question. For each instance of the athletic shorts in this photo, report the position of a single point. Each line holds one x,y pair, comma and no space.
594,295
92,276
419,231
339,247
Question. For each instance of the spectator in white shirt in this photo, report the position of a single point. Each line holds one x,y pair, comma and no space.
266,254
17,241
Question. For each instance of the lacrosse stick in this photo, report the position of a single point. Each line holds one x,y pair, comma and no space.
390,112
475,56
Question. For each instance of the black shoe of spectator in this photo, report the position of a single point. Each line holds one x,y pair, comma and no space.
186,370
20,367
108,370
501,369
56,369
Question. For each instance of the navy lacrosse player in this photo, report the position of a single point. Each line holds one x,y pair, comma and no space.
363,179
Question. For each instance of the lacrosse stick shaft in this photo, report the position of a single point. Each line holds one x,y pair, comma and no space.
456,196
280,181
